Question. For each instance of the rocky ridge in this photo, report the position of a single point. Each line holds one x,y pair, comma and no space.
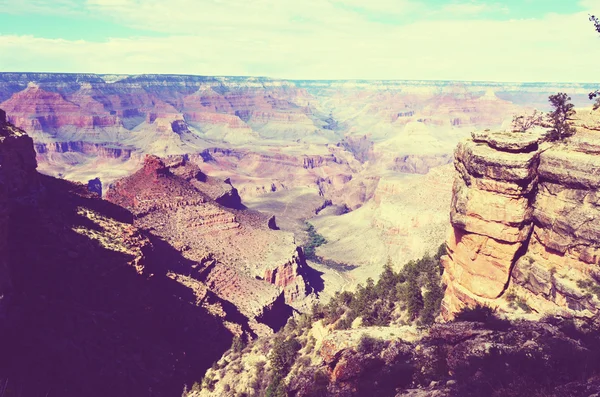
238,254
485,357
525,218
89,303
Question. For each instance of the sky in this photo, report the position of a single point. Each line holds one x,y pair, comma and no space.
511,40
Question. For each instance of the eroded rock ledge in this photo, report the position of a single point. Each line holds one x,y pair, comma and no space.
525,225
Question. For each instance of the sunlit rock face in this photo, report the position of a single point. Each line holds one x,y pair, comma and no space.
238,255
525,222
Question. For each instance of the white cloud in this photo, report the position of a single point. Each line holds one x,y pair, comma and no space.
317,39
474,8
592,5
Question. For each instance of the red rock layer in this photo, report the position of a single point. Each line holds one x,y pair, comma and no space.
179,203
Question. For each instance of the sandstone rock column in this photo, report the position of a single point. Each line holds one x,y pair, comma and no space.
491,216
560,273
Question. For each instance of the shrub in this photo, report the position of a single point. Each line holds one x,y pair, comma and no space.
238,344
283,355
479,313
344,323
276,388
196,387
368,345
320,383
589,286
523,123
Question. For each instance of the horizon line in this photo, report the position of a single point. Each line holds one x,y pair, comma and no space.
299,80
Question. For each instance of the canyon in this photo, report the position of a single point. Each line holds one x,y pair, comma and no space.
362,146
142,214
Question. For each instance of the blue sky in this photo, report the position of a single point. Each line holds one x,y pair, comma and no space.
513,40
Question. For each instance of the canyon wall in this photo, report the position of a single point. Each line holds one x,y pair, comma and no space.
89,303
18,179
525,218
239,255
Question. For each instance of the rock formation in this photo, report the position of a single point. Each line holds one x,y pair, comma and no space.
525,218
90,304
458,359
239,256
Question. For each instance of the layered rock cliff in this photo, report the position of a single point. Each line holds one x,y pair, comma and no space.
239,256
90,304
525,225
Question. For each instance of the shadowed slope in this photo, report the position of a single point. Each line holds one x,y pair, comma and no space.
89,305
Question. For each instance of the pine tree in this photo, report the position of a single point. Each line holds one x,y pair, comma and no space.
414,301
561,117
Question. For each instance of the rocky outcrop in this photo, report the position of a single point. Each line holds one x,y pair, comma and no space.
95,186
420,164
525,222
234,247
490,357
291,276
87,302
18,179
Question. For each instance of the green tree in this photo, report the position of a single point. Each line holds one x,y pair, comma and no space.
595,94
283,355
386,286
560,118
414,299
237,345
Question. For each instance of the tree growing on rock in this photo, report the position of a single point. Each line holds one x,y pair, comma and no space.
595,94
525,122
560,117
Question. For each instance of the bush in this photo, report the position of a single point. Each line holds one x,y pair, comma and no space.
237,345
276,388
283,355
196,387
479,313
369,345
344,323
589,286
320,383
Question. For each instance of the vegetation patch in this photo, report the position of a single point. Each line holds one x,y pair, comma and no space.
314,240
415,292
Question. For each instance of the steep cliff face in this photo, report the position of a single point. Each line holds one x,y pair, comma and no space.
291,276
90,304
18,178
525,222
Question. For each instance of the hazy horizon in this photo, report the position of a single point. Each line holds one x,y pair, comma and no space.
100,74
